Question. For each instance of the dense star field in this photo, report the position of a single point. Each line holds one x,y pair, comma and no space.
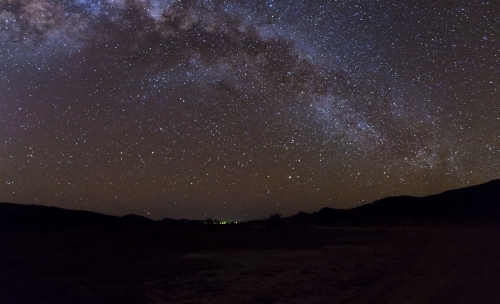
239,109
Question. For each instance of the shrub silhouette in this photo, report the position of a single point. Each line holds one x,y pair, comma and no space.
211,221
275,220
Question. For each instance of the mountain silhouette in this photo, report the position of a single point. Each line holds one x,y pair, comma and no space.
476,205
37,217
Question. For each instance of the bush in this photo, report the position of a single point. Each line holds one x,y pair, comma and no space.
275,220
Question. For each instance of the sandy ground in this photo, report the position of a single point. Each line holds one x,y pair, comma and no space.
246,265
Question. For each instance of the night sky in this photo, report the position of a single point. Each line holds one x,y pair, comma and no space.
239,109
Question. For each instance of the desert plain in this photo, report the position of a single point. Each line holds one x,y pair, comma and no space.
244,264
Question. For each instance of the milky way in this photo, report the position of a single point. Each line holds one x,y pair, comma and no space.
239,109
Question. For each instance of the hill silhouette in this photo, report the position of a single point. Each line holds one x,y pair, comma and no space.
471,206
37,217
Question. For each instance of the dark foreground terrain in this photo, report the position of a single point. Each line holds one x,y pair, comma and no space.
241,264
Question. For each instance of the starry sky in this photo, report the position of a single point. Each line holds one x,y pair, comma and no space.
238,109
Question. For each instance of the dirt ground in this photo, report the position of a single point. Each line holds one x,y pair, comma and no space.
249,265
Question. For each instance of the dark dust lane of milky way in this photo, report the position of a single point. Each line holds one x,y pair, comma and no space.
239,109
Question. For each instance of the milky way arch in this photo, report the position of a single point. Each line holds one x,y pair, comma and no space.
248,101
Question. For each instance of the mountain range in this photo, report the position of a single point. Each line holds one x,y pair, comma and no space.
477,206
471,206
35,217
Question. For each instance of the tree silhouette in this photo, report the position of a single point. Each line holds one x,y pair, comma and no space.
275,220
